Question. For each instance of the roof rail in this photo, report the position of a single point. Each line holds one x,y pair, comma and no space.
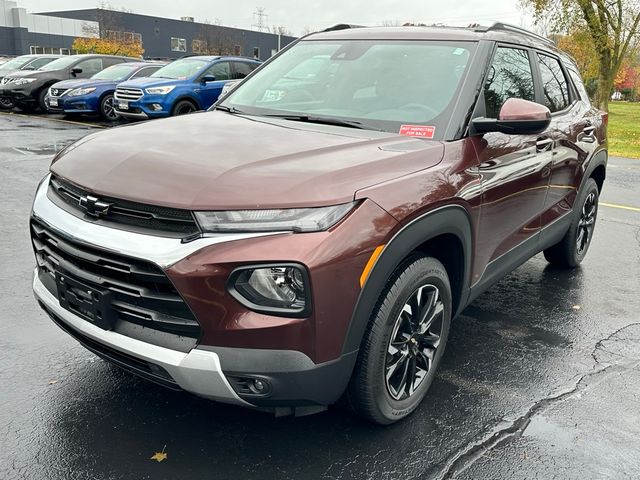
512,28
341,26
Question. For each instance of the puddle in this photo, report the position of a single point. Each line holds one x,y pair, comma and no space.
41,149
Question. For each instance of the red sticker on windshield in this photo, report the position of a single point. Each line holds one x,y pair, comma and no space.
421,131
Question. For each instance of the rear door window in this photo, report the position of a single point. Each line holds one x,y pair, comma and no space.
554,84
510,76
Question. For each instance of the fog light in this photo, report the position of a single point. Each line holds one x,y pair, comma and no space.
275,289
257,386
156,106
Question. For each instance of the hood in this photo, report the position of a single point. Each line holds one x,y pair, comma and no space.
82,83
214,160
27,73
144,82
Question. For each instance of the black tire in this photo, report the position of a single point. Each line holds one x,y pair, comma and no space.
571,250
6,103
183,107
41,103
107,109
375,391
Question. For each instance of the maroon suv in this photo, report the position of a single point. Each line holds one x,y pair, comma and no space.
315,233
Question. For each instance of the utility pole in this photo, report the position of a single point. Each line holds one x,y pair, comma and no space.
261,20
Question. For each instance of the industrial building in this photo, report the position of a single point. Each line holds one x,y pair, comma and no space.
54,32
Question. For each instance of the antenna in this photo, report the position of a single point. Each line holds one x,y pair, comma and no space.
261,20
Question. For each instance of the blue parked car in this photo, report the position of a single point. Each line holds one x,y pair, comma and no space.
95,95
185,85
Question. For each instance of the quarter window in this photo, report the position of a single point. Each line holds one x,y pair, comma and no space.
510,76
554,83
577,81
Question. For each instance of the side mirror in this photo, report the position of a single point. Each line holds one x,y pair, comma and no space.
208,78
517,117
76,70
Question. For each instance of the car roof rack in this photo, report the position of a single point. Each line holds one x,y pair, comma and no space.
512,28
341,26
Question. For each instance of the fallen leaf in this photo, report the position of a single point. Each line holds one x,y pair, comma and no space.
51,382
159,456
576,307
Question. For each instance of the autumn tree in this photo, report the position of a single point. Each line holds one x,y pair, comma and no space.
612,27
107,47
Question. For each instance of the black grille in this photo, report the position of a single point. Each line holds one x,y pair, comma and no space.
131,216
142,300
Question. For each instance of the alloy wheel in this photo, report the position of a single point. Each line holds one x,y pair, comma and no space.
109,110
586,223
186,108
415,338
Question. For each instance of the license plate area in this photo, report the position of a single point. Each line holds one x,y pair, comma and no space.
94,305
123,105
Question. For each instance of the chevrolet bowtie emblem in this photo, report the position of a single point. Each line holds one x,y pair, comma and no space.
93,206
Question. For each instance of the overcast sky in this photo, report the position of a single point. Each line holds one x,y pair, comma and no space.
314,14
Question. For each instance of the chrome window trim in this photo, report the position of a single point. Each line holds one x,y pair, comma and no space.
162,251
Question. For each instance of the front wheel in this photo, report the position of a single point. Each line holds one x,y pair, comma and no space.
404,343
183,107
6,103
107,109
573,247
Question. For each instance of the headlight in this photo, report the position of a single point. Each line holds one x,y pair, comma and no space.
160,90
76,92
281,289
291,219
23,81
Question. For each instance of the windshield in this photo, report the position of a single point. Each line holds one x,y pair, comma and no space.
59,64
116,72
181,69
381,85
15,63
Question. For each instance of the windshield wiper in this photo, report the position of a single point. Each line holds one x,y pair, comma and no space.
224,108
325,121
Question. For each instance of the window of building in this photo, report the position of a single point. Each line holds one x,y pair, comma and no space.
554,83
256,52
178,44
37,50
199,46
510,76
120,36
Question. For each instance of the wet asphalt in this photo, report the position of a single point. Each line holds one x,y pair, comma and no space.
540,379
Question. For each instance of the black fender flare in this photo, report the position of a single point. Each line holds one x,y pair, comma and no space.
450,219
598,159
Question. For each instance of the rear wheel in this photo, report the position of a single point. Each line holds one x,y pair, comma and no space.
404,344
573,247
183,107
107,108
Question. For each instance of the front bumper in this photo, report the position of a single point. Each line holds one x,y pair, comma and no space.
198,371
142,108
78,104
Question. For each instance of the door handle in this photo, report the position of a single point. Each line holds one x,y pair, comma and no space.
544,144
588,134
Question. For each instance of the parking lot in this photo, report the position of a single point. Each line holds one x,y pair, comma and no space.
540,379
